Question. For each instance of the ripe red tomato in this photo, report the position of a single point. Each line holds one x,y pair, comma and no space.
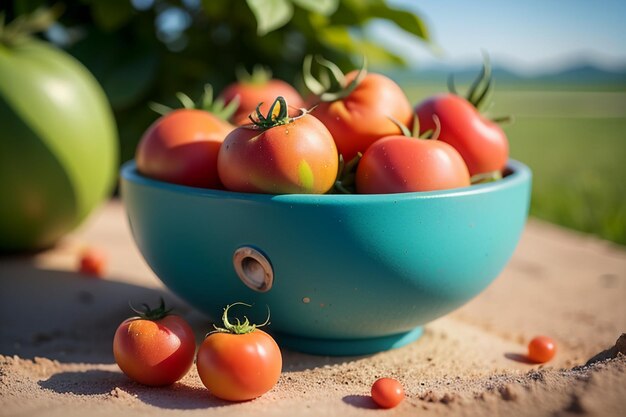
239,362
387,392
541,349
481,142
93,262
258,88
363,116
154,348
182,146
279,155
399,164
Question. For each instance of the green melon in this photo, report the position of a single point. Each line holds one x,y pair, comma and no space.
58,144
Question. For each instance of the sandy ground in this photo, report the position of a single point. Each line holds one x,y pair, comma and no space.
56,329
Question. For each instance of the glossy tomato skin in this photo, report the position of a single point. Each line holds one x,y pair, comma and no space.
541,349
387,392
481,142
399,164
251,94
182,146
363,117
155,353
239,367
298,157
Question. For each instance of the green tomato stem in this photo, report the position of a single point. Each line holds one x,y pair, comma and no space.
25,26
269,120
331,83
239,327
206,103
152,314
260,75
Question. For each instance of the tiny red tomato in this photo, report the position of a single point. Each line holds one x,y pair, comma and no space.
155,348
541,349
399,164
387,392
93,262
238,362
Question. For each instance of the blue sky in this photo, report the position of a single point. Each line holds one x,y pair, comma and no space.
529,36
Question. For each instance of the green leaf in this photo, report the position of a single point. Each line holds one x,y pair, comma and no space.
217,9
406,20
325,7
339,38
125,74
112,14
128,80
270,14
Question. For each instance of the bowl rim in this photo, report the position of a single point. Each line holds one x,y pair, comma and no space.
517,173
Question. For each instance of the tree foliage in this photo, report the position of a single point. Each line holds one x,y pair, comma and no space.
147,50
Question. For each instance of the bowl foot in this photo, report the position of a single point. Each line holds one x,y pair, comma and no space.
347,347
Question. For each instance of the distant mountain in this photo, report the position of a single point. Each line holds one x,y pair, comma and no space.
584,74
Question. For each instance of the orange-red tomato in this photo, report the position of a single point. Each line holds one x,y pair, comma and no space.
398,164
297,155
182,146
252,93
239,367
541,349
239,362
481,142
93,261
156,351
361,118
387,392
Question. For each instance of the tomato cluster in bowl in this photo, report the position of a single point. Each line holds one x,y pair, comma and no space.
355,133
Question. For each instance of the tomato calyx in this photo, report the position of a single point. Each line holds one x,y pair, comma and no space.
331,85
240,327
152,314
217,107
430,134
23,27
480,89
260,75
276,116
479,92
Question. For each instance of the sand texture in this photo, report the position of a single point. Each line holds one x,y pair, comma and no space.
56,330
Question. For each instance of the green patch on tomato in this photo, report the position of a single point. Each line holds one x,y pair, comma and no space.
305,174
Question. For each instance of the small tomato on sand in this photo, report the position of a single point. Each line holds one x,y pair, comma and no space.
93,262
387,392
541,349
239,362
155,348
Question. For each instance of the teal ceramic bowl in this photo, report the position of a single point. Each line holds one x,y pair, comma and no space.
341,274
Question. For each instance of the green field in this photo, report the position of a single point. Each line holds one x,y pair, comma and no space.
575,143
